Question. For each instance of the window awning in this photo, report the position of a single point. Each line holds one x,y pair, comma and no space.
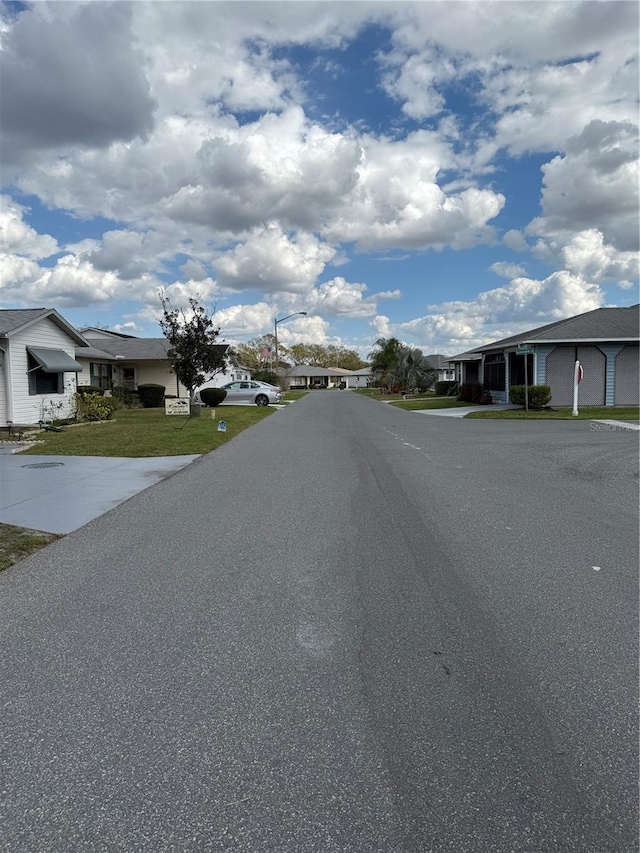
54,360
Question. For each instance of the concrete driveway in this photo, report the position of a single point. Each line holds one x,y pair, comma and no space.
58,494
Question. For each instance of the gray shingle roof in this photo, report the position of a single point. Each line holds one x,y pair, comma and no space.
132,349
12,319
602,324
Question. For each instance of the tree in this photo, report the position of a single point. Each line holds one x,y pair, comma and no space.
414,370
326,356
258,353
384,360
193,351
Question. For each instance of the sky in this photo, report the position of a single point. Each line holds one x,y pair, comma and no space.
447,173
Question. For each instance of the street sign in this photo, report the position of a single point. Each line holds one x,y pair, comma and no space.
525,351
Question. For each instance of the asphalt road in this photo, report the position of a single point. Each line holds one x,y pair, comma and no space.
352,628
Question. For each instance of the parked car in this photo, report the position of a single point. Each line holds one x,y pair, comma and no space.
248,391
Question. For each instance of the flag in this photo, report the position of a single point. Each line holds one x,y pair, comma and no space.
266,353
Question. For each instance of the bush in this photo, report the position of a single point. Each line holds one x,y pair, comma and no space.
539,395
212,396
266,376
125,397
151,396
471,392
94,407
83,390
445,387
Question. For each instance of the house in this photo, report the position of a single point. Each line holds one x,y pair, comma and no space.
115,359
310,376
605,342
445,371
38,366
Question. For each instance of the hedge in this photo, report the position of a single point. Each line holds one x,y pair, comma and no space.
539,395
151,396
445,387
212,396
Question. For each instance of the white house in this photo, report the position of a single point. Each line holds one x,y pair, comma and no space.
38,367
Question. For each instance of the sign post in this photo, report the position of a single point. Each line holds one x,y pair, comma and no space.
578,373
524,350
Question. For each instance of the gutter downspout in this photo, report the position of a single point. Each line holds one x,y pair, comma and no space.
8,389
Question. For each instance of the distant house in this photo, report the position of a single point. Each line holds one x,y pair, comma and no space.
445,371
38,366
605,341
310,376
115,359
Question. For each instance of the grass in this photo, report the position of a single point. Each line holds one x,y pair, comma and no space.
423,403
613,413
19,542
149,432
391,398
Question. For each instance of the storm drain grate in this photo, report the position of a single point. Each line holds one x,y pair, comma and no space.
45,465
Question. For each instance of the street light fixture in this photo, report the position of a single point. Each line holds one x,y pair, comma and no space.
275,329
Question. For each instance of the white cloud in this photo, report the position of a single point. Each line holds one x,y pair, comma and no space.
515,240
507,270
71,75
594,186
16,236
522,304
269,260
588,255
339,297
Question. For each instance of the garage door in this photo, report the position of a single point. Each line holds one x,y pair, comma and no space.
560,366
627,381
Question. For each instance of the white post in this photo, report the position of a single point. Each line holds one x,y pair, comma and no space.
577,376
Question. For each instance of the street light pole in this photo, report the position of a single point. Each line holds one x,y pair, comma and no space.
275,330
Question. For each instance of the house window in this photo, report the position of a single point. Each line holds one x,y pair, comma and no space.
41,382
101,375
494,372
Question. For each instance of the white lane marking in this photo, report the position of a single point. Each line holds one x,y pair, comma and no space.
596,568
618,424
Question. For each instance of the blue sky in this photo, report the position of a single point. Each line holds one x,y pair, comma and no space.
447,173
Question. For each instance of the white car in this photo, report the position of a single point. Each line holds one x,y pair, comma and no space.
248,391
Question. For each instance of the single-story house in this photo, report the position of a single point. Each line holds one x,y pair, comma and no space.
116,359
605,341
310,376
445,371
38,366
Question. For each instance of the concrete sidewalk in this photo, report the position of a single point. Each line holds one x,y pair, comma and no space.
58,494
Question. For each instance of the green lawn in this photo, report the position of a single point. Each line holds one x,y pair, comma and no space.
375,394
290,396
422,403
612,413
149,432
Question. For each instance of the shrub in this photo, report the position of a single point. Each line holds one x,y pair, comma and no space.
266,376
151,396
125,397
94,407
445,387
83,390
212,396
539,395
471,392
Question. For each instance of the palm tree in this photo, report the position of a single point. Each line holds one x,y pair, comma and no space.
417,370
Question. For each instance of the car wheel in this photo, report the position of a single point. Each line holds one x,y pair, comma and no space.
262,400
